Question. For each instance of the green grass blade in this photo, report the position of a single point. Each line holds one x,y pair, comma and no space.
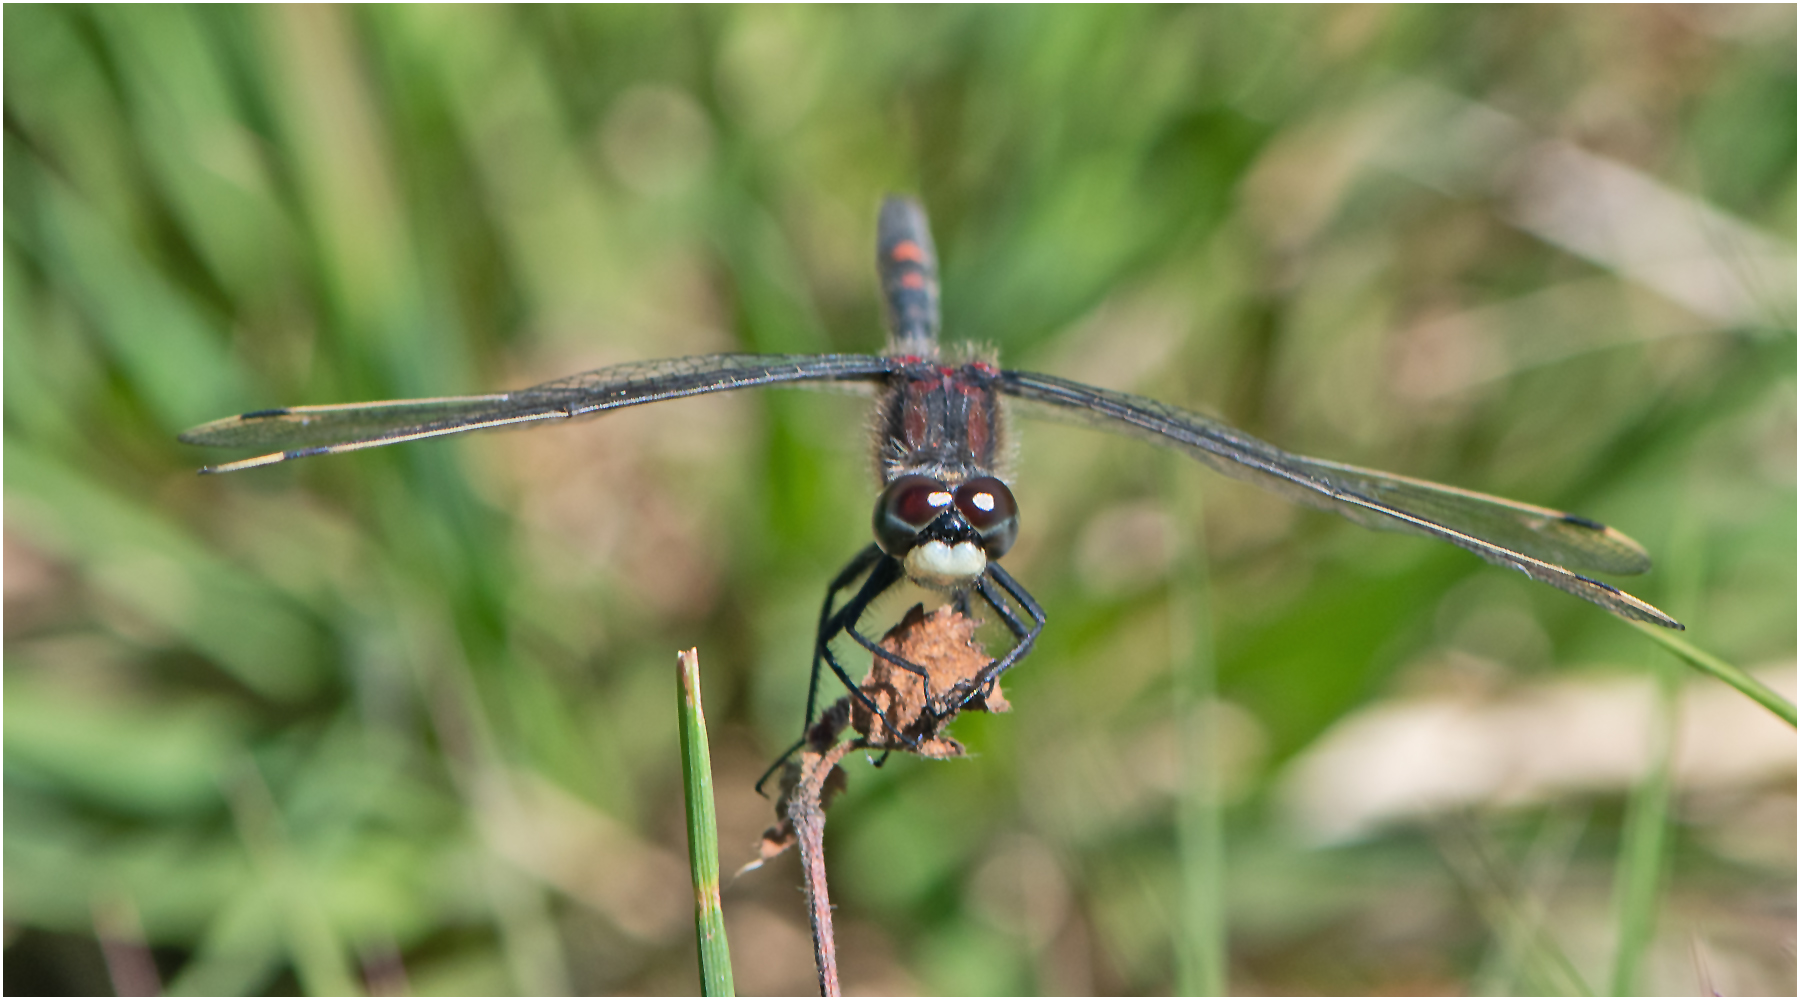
1511,913
1712,666
1638,879
703,832
1524,956
1202,956
320,959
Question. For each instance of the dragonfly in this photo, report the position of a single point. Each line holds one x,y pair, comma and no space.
945,514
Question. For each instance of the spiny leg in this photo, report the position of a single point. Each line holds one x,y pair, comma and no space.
829,626
886,572
1013,624
856,567
776,766
849,628
1025,601
1026,635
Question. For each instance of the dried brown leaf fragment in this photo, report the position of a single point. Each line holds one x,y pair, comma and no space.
914,712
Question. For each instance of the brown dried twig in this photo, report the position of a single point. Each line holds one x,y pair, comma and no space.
806,814
942,642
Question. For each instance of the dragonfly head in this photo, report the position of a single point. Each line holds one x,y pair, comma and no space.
944,535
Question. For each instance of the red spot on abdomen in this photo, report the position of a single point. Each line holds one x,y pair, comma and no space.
913,280
907,250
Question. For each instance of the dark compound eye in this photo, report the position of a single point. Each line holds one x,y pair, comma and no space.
905,508
989,508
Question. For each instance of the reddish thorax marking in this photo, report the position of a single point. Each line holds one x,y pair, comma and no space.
944,419
977,422
918,425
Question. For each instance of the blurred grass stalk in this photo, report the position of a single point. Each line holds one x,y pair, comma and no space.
1638,875
1638,882
1525,957
703,831
1202,956
1712,666
321,962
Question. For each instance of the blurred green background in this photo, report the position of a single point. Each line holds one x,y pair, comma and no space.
402,721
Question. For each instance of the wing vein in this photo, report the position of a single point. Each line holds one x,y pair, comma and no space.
1536,541
305,431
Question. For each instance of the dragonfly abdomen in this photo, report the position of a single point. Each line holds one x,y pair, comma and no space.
907,262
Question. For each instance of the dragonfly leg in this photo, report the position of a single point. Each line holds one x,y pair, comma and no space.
885,572
1018,628
1025,634
959,602
896,659
857,567
776,766
1025,601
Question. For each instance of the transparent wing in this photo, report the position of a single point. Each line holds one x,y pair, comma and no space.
303,431
1536,541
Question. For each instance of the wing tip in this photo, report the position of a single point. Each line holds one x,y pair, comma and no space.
1610,598
1626,606
1656,617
